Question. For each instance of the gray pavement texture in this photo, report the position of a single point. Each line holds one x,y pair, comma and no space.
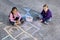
34,30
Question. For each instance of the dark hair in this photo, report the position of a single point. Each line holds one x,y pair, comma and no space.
45,5
13,10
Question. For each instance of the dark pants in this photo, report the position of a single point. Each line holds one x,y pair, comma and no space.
46,20
21,20
11,22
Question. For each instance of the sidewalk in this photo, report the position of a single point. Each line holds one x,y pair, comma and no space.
30,31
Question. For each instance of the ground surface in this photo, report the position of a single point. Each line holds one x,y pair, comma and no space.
30,31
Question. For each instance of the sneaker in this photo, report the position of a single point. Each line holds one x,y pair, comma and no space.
46,23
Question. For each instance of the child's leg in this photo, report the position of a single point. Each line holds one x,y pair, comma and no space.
48,20
44,21
22,20
11,22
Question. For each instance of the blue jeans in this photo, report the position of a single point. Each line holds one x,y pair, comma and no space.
47,20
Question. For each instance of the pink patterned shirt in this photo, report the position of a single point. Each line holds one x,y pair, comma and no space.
11,16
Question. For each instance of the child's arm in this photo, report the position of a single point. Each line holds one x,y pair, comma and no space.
49,14
19,15
11,18
42,13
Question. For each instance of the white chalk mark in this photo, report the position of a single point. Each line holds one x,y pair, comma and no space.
27,33
9,34
5,37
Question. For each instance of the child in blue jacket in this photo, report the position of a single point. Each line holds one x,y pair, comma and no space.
46,14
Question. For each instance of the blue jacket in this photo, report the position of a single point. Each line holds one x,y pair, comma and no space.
46,15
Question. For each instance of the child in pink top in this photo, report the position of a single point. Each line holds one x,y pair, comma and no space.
15,17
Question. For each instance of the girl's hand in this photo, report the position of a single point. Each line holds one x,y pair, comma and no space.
41,20
18,22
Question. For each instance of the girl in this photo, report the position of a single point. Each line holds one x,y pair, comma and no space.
46,14
15,17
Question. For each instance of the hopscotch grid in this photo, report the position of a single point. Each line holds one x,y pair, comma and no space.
28,33
22,32
36,30
9,34
19,34
35,27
